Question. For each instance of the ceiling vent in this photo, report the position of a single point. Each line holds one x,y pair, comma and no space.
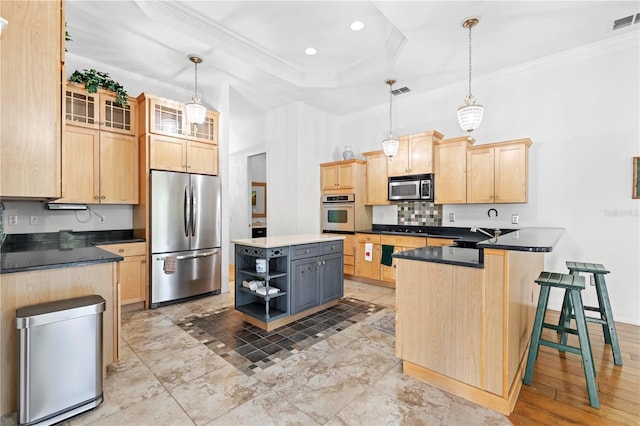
400,91
626,21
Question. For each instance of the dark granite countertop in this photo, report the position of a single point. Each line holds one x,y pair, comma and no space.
30,252
472,258
526,239
456,233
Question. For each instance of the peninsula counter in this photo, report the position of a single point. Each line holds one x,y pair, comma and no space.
464,316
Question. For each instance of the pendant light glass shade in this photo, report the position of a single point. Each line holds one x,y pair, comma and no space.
390,145
196,112
470,114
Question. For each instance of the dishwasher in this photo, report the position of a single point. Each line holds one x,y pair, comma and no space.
60,359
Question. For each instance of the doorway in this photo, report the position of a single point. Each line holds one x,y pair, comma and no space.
257,168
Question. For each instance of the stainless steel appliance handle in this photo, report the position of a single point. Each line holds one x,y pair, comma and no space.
194,213
333,206
191,256
186,209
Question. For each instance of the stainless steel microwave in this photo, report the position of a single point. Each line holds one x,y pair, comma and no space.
414,187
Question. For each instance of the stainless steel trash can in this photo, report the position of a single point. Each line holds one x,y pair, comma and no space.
60,359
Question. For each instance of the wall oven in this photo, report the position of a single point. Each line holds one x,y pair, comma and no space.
338,213
415,187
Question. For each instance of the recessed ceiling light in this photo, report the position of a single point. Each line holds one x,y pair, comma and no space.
357,25
310,51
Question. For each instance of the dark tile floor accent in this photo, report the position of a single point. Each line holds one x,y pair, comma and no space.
248,347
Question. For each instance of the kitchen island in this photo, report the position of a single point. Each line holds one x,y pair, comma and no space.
39,268
464,316
279,280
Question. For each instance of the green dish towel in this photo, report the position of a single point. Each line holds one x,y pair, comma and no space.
387,251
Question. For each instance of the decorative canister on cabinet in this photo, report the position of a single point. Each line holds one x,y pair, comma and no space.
347,154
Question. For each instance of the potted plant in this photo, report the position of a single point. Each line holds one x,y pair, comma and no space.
93,80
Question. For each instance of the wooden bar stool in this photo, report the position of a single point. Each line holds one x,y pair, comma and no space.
603,308
572,285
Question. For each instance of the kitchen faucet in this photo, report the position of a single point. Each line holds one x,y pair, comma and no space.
497,232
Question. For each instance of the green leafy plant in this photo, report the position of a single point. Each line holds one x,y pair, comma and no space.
67,36
93,80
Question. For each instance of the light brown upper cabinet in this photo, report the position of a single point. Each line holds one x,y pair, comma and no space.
169,118
183,155
99,110
450,167
99,167
31,68
341,176
415,154
175,144
377,178
99,148
498,173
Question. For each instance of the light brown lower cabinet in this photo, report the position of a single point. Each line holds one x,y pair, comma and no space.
365,268
477,322
439,242
28,288
133,271
374,269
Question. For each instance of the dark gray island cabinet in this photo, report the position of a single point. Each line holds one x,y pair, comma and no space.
302,274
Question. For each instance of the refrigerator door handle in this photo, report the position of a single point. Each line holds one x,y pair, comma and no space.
191,256
194,213
187,211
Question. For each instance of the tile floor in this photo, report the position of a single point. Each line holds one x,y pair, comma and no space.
166,376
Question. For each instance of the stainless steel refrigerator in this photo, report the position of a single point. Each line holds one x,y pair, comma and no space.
185,236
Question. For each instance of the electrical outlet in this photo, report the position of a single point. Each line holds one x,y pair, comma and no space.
452,217
33,220
101,219
13,220
515,219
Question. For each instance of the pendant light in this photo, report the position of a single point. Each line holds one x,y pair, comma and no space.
390,145
470,114
195,110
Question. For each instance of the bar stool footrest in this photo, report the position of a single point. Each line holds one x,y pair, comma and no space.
561,347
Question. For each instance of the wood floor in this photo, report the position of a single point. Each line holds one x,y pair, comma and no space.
558,393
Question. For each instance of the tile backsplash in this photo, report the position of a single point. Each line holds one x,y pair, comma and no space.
419,213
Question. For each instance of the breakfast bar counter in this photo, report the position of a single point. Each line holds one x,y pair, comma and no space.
464,316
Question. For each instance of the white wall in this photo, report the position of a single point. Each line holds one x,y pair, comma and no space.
581,111
299,137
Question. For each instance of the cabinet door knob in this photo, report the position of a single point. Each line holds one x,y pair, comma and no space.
121,251
96,197
307,251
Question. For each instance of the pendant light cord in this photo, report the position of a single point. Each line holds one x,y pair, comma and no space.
196,93
390,114
470,26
